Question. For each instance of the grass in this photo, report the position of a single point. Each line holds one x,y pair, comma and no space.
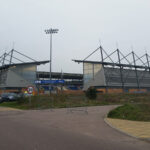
55,101
135,112
74,100
135,106
11,104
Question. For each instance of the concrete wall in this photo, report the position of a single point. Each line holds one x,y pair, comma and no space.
20,76
14,80
3,77
98,80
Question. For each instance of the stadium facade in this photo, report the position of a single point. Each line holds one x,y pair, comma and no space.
17,76
117,72
20,75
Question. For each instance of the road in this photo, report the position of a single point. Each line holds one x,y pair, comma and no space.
62,130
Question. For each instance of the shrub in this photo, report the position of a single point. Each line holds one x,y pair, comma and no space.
91,93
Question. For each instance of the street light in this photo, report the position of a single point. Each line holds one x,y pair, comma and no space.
50,32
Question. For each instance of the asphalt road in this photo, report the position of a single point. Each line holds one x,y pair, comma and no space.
59,130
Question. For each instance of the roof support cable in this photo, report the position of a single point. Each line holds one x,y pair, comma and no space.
125,57
110,54
107,55
91,54
16,58
25,55
139,58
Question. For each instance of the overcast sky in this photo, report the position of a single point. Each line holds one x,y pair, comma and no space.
81,24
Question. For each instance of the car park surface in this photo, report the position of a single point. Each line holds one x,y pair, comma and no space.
60,129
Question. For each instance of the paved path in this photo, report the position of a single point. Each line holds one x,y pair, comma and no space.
8,109
59,130
134,128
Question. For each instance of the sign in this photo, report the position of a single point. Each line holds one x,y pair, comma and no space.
30,89
49,81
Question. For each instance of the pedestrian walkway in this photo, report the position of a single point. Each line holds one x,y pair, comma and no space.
8,109
134,128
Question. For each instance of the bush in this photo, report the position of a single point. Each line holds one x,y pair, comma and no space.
91,93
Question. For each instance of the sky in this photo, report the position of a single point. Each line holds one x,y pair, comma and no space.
82,24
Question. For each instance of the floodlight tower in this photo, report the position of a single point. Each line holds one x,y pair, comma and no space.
50,32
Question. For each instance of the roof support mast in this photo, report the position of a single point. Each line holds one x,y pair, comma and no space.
121,69
102,59
4,58
135,70
11,56
148,62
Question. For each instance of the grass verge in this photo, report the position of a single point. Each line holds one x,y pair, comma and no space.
74,100
135,112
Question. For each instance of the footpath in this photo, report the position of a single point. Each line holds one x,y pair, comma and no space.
8,109
136,129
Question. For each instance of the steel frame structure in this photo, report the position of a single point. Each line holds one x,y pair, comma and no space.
140,69
13,57
10,56
9,59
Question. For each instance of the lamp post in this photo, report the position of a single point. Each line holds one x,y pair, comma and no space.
50,32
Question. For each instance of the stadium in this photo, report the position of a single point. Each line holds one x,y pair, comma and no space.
17,74
113,73
116,72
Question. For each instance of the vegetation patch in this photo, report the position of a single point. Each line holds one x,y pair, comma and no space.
91,93
135,112
78,100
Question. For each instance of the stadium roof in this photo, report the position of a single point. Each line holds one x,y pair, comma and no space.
6,66
112,64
